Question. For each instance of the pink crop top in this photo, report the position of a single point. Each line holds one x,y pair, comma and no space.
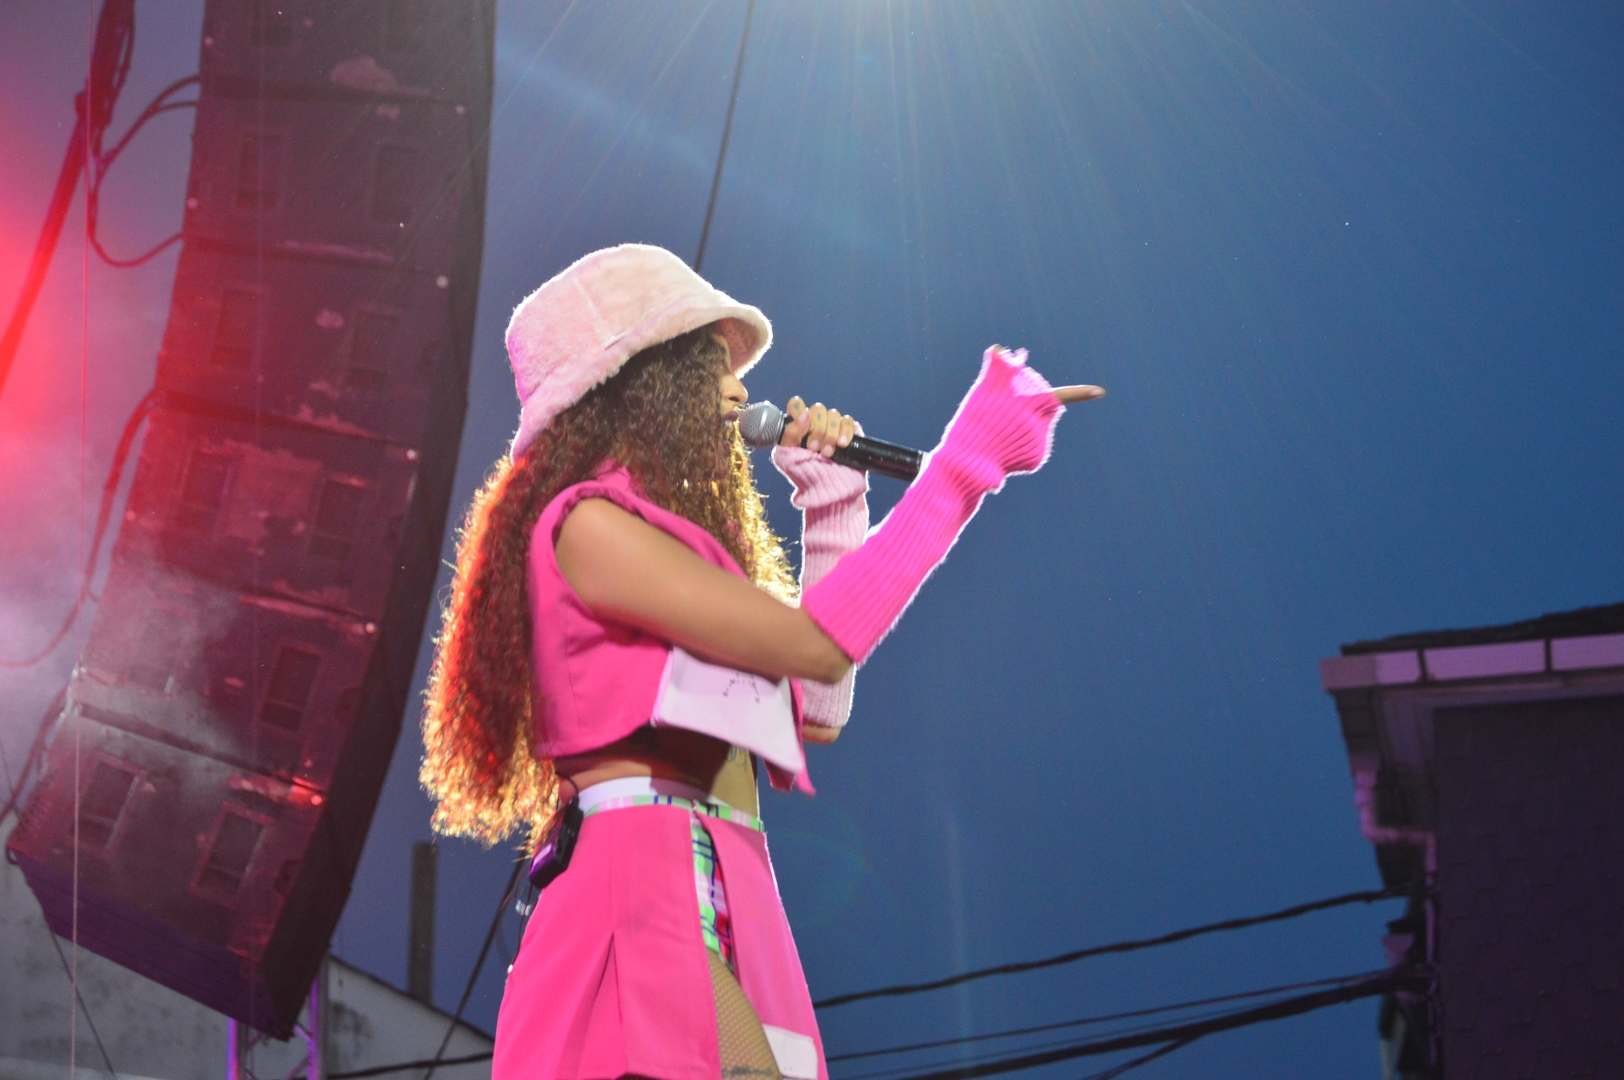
597,682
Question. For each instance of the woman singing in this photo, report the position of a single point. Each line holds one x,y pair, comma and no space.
623,648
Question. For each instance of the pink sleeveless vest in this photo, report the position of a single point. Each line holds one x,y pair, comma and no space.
596,682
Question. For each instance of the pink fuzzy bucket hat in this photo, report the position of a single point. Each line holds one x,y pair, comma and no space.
582,326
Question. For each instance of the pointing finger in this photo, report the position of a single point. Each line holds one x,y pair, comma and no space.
1071,395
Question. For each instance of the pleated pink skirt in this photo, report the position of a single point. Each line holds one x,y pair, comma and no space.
611,978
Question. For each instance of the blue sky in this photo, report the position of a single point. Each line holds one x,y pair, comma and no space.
1351,273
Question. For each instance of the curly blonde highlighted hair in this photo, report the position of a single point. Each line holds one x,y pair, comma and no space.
657,417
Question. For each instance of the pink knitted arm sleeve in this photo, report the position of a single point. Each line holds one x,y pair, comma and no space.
833,501
1003,427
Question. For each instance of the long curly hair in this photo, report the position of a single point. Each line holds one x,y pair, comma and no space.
659,418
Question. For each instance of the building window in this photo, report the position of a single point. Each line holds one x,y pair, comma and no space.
394,183
288,695
370,347
203,492
337,515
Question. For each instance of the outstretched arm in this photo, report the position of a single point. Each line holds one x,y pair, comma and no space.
1003,427
628,571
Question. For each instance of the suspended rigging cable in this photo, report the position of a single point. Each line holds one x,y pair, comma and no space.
113,46
112,38
110,65
727,131
1369,896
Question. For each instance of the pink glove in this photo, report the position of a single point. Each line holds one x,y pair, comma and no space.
833,501
1004,427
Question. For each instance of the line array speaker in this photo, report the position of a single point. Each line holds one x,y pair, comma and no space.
242,688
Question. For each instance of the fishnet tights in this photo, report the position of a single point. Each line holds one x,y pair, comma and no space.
745,1052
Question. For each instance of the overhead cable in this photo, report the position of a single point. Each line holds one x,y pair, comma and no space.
407,1066
1183,1034
1128,1066
1086,1021
1366,897
1168,1038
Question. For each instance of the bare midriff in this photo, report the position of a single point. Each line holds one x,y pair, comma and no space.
726,772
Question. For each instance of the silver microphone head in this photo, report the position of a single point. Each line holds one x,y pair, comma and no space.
761,425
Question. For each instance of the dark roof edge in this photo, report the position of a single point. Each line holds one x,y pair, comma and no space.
1584,622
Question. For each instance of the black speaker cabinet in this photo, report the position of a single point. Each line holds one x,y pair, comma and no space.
229,725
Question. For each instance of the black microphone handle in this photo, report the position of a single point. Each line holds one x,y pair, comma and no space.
876,455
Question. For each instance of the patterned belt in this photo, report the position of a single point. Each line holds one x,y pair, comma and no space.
715,922
696,806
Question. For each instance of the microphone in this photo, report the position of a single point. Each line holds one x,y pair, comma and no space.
762,425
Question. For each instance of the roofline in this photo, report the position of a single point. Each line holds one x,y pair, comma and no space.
1582,622
1540,656
387,985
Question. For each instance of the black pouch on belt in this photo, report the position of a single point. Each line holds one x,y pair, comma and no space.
553,857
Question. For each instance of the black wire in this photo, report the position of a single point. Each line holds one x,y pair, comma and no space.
384,1070
158,104
125,264
1128,1066
110,57
109,493
1185,1032
1367,897
1013,1032
727,131
519,866
906,1072
156,107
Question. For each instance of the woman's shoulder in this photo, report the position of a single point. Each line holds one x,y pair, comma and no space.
611,483
613,489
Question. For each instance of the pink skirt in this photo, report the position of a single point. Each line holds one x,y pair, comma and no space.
611,978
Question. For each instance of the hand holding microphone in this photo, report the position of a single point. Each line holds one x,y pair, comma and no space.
817,428
828,432
840,437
